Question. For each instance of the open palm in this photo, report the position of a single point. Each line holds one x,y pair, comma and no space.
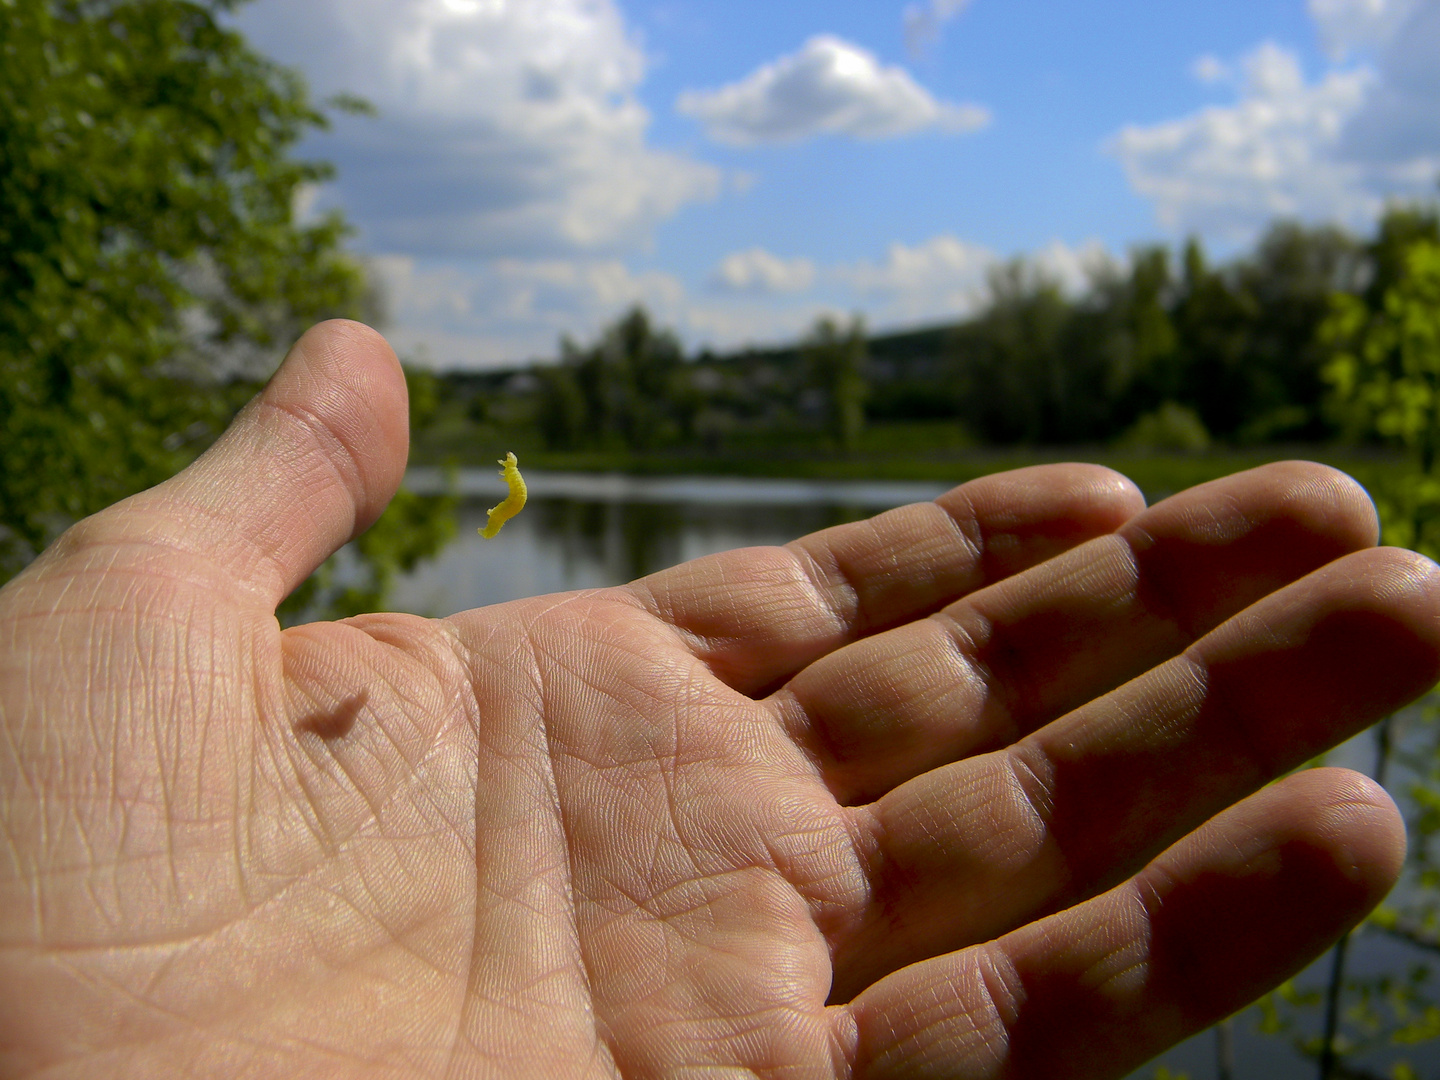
963,790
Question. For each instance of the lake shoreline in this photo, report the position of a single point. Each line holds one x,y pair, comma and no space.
1156,473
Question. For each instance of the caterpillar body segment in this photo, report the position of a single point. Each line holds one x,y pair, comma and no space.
513,503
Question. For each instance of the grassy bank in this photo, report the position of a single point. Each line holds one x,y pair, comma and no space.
912,451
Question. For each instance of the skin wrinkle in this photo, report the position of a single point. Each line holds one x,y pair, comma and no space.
665,612
1024,771
272,550
684,889
1004,998
311,814
849,890
966,640
261,818
1160,601
827,588
1120,561
601,1045
879,866
167,803
867,621
351,939
204,693
791,716
461,1039
176,949
972,539
1123,971
104,552
375,803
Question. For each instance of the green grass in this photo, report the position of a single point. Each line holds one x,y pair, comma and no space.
929,450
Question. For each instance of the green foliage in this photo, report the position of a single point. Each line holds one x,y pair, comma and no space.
1010,362
834,361
149,246
627,390
1385,374
1386,364
1235,344
1171,427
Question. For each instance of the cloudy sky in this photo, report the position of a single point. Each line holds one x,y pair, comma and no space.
742,166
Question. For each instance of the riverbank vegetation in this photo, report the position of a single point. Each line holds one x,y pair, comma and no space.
1168,355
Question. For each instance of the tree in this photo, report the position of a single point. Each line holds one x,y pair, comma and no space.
834,361
1386,364
562,414
1009,363
1214,318
1290,280
627,390
1120,351
149,245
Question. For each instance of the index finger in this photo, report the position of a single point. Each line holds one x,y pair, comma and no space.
758,615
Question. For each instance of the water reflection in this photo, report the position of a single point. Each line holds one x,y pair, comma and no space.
581,531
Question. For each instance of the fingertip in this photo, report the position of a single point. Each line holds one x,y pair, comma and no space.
1409,580
1350,819
1384,617
1110,492
344,375
1335,499
307,465
1280,877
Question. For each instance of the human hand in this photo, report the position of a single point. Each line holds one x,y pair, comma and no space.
963,790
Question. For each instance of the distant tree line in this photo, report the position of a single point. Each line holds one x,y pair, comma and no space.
1236,346
1169,349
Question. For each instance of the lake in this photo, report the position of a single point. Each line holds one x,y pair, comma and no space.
583,530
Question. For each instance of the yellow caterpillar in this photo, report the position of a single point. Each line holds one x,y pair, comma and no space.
514,502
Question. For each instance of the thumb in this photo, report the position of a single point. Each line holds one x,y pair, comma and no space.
308,464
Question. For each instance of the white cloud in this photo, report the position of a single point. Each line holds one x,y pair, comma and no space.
1074,268
506,312
505,128
1347,25
1229,170
829,87
1333,148
475,314
1210,69
1398,129
943,268
924,20
503,312
946,277
737,325
758,271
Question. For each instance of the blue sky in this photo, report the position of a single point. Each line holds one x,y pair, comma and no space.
742,167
